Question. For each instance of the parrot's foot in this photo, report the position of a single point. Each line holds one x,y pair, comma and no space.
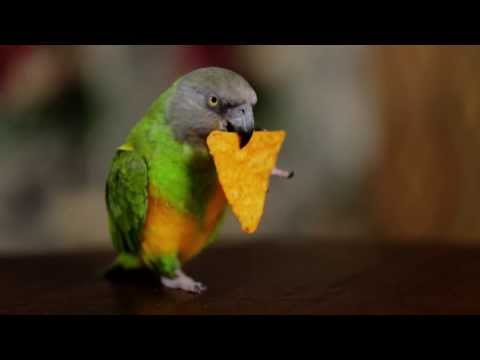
183,282
283,173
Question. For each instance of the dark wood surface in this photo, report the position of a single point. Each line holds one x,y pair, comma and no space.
264,277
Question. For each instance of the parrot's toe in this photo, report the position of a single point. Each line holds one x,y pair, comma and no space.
199,288
283,173
183,282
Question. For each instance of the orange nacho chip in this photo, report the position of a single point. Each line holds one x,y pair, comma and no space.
245,173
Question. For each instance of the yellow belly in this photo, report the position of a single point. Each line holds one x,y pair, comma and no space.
168,231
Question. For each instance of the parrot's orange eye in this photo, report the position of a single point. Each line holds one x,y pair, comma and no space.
212,101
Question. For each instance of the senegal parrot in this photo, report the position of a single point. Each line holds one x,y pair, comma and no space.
164,200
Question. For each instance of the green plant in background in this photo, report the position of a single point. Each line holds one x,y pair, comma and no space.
43,137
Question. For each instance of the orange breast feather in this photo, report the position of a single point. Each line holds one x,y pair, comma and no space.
168,231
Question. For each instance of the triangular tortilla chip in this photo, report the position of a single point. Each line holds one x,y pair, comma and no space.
245,173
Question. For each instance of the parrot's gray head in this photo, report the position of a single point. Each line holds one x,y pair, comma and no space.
210,99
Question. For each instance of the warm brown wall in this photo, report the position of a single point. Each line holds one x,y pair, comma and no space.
427,182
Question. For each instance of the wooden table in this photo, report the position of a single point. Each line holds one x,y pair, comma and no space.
265,277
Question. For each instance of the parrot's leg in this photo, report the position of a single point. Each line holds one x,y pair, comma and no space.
183,282
124,262
283,173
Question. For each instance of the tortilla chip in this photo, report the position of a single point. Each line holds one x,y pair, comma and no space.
245,173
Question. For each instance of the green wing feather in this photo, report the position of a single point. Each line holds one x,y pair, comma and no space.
127,200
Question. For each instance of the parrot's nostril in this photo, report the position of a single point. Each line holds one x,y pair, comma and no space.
243,111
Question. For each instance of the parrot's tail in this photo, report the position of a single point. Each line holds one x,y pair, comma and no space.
123,263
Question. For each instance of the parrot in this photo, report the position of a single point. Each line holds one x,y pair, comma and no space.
164,200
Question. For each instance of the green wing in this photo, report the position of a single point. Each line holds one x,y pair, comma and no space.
127,200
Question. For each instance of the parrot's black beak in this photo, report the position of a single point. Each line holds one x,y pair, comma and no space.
240,120
245,138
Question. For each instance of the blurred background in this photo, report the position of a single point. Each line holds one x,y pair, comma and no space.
383,139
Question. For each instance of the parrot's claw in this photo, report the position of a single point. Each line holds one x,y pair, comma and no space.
283,173
183,282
